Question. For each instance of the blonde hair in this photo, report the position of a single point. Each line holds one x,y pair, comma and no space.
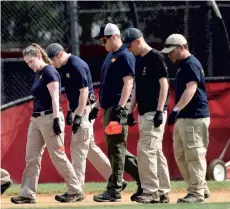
35,49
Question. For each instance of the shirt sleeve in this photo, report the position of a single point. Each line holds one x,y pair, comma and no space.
50,74
128,65
80,77
161,67
192,73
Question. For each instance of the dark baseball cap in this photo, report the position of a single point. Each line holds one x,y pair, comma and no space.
107,30
53,49
130,35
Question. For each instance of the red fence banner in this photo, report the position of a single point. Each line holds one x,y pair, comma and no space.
15,122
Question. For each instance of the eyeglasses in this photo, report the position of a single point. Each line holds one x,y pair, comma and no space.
104,40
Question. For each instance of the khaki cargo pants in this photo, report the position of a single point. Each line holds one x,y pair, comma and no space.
190,142
152,164
83,146
5,176
40,135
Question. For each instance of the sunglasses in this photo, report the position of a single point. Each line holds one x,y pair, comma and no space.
104,40
170,45
28,49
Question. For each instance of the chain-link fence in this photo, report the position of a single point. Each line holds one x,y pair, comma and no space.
44,22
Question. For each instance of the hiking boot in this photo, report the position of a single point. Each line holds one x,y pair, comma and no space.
124,185
137,193
6,186
148,198
107,196
164,198
22,200
70,197
190,198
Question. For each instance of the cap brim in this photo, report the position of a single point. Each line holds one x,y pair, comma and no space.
168,49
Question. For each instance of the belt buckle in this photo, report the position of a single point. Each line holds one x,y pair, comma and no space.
42,113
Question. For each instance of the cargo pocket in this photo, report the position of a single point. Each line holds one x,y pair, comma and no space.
191,139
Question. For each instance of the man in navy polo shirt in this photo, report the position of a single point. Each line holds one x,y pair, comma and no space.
76,78
117,74
191,114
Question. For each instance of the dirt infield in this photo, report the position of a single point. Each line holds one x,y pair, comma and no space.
49,201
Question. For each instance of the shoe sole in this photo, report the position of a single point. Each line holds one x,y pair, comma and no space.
23,202
165,201
74,200
101,200
150,202
185,202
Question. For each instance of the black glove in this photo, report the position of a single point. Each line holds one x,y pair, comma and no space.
76,123
56,126
173,117
131,119
93,114
117,112
158,119
68,119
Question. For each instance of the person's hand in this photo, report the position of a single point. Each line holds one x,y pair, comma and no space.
158,118
93,114
173,117
68,119
56,126
131,120
76,124
116,113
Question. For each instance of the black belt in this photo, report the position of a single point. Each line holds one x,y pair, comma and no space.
46,112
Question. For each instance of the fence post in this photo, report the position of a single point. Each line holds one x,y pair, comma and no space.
186,15
74,39
134,14
209,48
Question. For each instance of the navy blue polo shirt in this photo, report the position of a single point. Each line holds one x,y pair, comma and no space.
75,76
191,70
116,66
42,97
149,70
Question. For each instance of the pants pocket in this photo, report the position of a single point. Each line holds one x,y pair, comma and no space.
192,141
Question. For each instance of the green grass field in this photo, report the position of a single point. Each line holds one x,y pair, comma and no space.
177,186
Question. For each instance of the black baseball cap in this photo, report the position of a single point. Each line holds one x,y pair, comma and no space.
130,35
53,49
107,30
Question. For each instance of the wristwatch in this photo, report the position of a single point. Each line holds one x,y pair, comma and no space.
176,109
